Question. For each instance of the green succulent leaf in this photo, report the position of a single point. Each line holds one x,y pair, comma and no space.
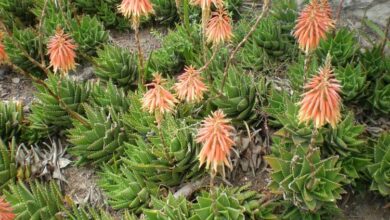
116,64
36,201
380,169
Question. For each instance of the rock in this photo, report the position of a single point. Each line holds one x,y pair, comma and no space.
84,74
16,80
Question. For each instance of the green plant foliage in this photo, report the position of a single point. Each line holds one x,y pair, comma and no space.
17,12
102,140
7,163
239,96
286,13
353,81
253,57
116,64
126,189
89,34
11,117
48,116
54,16
306,180
347,142
375,63
39,201
284,111
87,213
137,120
178,48
167,156
381,167
105,10
296,72
110,95
342,47
170,208
381,97
268,35
224,206
21,43
165,11
293,212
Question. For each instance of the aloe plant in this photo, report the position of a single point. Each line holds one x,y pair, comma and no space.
126,189
39,201
379,170
306,180
116,64
11,117
102,140
7,164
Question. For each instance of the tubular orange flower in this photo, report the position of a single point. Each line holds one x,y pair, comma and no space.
206,3
3,54
158,100
190,86
326,7
312,25
61,50
216,136
6,211
219,28
134,9
321,103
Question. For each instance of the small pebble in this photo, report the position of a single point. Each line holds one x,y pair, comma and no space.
15,80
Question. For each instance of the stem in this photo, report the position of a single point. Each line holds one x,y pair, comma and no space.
141,76
339,8
312,149
62,104
40,34
259,18
383,46
306,67
25,53
205,19
215,51
186,15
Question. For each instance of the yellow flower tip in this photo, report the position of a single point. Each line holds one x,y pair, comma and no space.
157,99
6,211
219,29
190,86
61,51
215,134
313,23
321,103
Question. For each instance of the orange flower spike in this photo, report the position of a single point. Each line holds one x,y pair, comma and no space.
61,50
158,100
322,102
326,7
206,4
3,54
216,136
134,9
312,25
219,28
6,211
190,86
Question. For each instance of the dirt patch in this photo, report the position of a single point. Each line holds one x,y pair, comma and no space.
15,87
149,38
82,186
366,207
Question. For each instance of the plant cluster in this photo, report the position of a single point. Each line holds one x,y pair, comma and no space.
158,128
